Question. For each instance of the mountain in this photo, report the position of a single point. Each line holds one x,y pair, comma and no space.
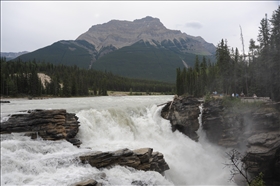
125,33
67,52
143,49
12,55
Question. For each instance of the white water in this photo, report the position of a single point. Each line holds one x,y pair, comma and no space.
108,124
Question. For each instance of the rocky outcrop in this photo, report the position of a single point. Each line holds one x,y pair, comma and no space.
253,129
140,159
48,124
183,114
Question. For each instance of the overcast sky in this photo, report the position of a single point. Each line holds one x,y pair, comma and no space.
28,26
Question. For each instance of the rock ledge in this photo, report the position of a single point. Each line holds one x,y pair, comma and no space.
141,159
48,124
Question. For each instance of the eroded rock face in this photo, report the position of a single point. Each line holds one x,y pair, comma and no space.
255,131
48,124
140,159
183,114
263,153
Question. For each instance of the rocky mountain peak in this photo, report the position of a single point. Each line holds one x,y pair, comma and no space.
117,34
149,20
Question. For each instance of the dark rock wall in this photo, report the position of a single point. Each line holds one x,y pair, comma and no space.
255,131
183,113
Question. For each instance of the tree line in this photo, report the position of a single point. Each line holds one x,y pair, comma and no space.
20,78
255,72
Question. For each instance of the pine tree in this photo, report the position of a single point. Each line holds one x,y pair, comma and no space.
203,68
223,64
275,54
264,34
66,90
179,82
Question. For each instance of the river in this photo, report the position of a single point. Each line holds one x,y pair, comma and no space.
108,124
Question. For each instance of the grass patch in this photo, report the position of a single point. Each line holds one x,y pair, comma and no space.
236,105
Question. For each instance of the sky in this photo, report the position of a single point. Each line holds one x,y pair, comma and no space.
30,25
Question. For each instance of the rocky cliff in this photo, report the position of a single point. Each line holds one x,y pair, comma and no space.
183,114
252,128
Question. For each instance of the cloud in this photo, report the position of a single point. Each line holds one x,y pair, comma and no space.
193,24
42,23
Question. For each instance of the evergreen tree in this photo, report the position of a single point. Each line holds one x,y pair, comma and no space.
275,54
179,82
66,90
203,76
223,64
264,34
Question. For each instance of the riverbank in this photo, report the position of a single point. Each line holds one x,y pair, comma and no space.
109,93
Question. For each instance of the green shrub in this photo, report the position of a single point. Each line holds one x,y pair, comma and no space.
258,181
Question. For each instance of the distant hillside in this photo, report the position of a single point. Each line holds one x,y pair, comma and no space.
143,49
145,61
79,53
12,55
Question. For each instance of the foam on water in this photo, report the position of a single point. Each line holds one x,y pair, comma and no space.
108,124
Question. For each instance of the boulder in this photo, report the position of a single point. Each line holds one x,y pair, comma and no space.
90,182
48,124
141,159
183,113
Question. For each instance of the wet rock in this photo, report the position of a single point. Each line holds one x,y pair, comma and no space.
90,182
48,124
140,159
139,183
183,114
263,153
255,131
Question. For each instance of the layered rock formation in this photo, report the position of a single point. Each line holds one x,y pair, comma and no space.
140,159
48,124
253,129
183,114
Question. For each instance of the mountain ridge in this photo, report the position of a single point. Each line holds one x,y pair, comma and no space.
12,55
120,46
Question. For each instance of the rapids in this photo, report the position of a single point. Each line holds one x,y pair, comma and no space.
108,124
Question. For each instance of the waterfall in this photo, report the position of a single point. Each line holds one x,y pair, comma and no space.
109,124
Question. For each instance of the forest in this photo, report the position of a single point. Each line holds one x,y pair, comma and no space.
19,79
255,72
